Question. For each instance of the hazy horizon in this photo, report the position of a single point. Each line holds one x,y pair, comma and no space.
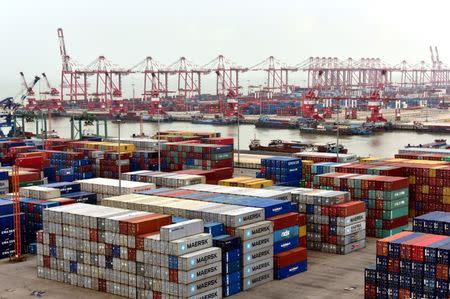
246,32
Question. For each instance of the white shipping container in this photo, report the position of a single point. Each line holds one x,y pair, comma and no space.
182,229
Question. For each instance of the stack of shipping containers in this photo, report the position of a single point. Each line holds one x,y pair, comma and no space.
386,199
413,264
335,224
284,171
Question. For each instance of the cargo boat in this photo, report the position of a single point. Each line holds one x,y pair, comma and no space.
217,120
438,143
342,131
266,122
279,146
295,147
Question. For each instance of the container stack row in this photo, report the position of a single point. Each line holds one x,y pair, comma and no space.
246,182
4,181
144,160
212,176
413,264
284,171
386,199
80,245
113,163
69,166
266,193
231,263
179,156
105,187
238,254
335,224
7,240
164,179
35,199
286,237
317,157
179,262
289,246
259,239
437,223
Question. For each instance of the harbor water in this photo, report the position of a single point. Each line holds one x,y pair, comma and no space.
384,144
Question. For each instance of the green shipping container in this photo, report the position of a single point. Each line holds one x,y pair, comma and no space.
395,204
389,232
32,183
389,215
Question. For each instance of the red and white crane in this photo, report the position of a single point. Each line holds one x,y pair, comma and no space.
155,78
277,74
189,77
73,76
227,83
107,81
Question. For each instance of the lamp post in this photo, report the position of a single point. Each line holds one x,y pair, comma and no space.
238,132
159,140
337,133
119,121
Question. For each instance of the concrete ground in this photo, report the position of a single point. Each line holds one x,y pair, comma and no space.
328,275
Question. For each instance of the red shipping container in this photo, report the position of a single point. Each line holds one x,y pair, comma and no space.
370,291
390,224
442,271
289,257
147,224
301,219
302,241
102,285
173,275
131,254
284,221
93,235
393,265
404,294
349,208
32,162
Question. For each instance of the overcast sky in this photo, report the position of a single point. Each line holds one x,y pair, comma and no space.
246,31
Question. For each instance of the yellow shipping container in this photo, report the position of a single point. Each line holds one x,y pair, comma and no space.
425,189
259,183
412,180
302,231
432,172
446,199
369,159
446,190
230,181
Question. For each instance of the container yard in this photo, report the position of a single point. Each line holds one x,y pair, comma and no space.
179,221
232,162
